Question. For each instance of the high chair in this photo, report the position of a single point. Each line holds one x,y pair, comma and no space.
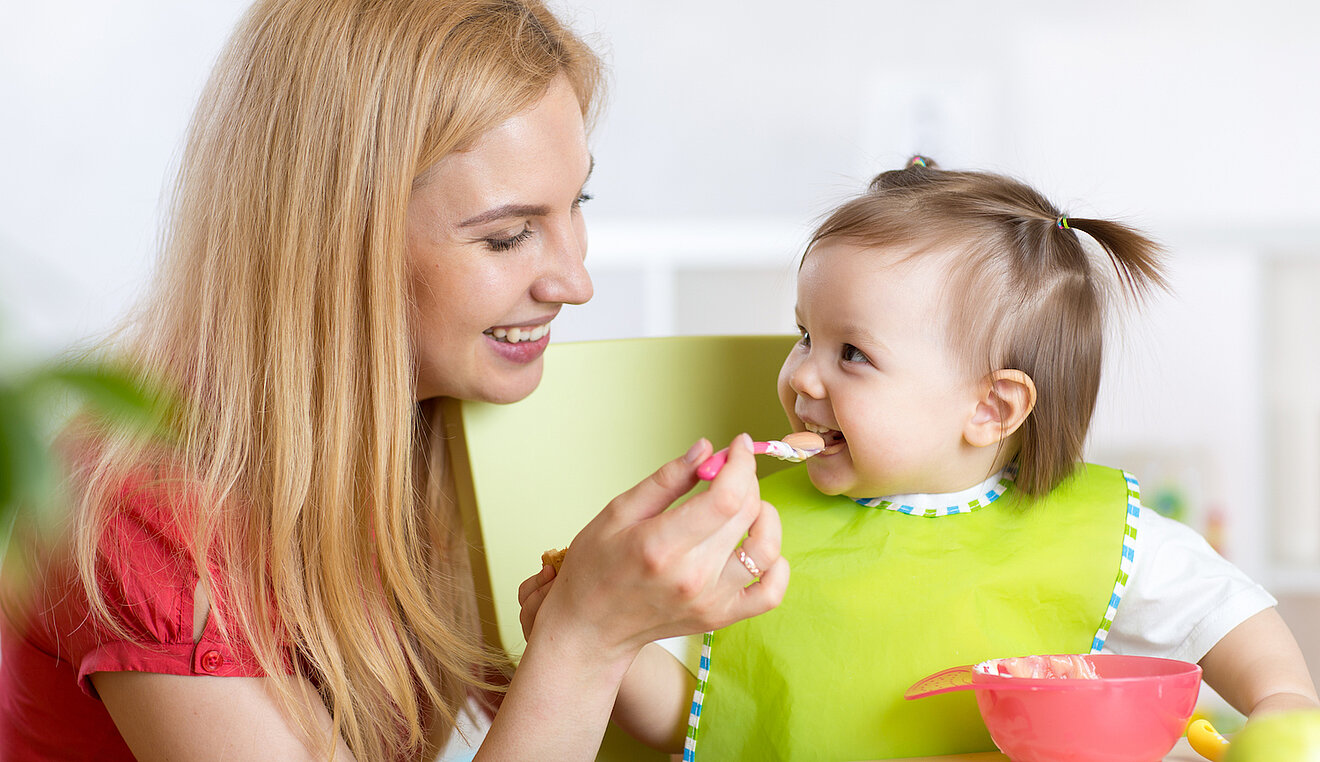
607,414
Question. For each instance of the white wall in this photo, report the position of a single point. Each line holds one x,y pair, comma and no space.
1187,117
732,125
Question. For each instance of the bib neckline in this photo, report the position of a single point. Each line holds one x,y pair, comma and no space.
932,505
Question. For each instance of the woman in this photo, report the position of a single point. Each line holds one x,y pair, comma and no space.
379,206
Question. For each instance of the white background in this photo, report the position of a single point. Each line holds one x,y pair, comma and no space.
733,125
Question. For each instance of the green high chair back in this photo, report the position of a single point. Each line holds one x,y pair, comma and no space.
607,414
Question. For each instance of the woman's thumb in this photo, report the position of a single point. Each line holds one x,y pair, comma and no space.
652,495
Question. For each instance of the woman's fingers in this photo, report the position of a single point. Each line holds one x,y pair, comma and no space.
671,571
760,549
764,595
721,515
655,493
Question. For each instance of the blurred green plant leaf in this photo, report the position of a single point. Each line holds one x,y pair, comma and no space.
31,405
24,461
115,394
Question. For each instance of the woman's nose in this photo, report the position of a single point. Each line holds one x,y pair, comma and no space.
566,280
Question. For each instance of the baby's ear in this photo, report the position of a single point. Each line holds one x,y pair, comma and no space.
1007,398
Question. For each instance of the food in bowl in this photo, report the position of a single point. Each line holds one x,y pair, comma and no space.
1058,667
1133,710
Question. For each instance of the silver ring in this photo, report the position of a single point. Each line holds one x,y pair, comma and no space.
749,564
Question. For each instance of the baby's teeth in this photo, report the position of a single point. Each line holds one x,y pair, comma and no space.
538,332
515,334
499,333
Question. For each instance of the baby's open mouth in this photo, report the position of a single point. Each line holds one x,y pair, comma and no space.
832,437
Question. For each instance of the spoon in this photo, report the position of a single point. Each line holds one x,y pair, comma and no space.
960,679
794,448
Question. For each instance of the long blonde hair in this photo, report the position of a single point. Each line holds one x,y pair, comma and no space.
281,310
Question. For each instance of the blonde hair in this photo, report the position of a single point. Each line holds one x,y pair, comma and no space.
308,480
1023,292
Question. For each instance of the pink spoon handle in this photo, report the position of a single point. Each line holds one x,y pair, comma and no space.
951,679
961,679
710,467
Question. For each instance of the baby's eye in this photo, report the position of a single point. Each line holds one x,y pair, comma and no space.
853,354
582,198
804,338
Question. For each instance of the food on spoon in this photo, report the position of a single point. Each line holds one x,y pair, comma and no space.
804,444
1067,666
554,558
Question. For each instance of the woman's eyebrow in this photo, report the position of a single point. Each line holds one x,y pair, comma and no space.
517,210
505,211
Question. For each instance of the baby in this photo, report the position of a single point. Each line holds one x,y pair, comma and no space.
950,355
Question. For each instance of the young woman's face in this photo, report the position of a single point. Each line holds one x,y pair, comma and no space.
496,243
873,373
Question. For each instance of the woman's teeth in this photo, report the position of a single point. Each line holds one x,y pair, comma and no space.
515,335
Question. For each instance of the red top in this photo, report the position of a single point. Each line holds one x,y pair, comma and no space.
49,709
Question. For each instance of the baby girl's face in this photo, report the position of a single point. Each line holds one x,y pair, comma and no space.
873,373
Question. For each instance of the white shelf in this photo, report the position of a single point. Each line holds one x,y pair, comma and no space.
1289,581
696,242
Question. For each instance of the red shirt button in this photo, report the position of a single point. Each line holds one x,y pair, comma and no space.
211,661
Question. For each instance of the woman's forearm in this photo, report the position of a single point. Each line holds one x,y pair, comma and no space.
559,701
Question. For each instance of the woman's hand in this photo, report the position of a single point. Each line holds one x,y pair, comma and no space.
639,572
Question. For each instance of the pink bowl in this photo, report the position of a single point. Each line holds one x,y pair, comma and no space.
1134,712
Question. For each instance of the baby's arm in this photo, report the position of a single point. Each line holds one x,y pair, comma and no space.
655,698
1258,667
656,692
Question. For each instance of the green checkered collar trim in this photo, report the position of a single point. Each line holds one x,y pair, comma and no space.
948,503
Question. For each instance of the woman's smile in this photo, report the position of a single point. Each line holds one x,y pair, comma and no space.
520,343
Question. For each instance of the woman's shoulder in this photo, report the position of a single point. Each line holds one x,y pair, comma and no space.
146,574
141,562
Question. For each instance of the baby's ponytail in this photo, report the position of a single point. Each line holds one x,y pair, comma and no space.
1135,258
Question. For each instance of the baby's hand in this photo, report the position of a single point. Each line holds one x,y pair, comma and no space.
531,594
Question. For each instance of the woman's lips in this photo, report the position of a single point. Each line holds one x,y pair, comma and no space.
514,344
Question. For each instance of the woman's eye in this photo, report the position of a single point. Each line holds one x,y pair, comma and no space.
581,199
853,354
504,244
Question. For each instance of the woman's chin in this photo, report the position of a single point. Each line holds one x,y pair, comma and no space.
511,386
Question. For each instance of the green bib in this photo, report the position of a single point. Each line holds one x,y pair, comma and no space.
882,596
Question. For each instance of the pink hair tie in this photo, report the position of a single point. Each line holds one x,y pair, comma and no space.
1062,223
